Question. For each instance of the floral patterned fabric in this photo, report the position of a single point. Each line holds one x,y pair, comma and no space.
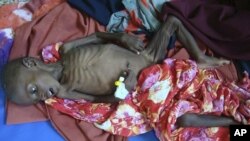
50,53
3,2
165,92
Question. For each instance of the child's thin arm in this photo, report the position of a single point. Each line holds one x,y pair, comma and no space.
91,39
196,120
92,98
126,40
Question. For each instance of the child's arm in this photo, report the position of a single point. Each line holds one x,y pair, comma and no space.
126,40
74,95
196,120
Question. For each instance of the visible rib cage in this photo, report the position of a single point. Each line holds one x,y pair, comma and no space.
94,69
79,70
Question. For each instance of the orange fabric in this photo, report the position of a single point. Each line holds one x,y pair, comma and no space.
41,7
7,18
35,7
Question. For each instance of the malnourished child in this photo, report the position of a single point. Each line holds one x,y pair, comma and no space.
90,66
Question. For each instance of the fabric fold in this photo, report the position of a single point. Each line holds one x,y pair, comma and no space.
224,29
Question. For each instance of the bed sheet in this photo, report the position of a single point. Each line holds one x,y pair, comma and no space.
42,131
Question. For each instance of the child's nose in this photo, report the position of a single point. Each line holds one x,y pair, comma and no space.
51,92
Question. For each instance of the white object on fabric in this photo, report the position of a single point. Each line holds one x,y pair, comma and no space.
121,91
24,14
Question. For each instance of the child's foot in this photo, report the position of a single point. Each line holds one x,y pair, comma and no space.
211,62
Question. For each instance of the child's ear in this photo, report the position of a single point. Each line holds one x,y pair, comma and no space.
29,62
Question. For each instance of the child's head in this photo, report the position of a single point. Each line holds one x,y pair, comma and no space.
26,81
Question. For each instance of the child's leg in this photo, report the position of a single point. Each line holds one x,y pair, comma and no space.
186,38
196,120
156,49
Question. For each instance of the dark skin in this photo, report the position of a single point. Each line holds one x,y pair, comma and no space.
90,66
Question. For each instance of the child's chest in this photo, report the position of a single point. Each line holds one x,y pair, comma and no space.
94,70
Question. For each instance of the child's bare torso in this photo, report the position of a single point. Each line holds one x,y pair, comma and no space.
93,69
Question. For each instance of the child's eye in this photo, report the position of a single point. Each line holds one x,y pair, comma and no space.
33,90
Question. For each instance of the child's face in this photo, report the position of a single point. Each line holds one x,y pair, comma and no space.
31,86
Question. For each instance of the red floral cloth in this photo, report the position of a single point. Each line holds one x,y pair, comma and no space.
165,92
50,53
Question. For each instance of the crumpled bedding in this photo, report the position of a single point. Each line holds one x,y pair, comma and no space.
5,2
224,29
14,15
138,15
165,92
99,10
144,17
32,49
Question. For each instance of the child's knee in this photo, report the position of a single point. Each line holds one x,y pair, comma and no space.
174,21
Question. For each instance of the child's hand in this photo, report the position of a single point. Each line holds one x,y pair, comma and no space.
133,43
131,80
